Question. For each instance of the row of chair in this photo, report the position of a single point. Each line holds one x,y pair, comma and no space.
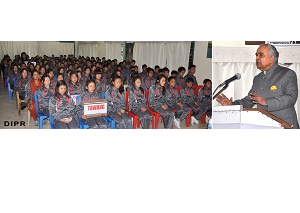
156,115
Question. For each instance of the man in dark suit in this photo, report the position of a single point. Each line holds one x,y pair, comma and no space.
275,89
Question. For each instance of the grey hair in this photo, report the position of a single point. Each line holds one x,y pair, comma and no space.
272,51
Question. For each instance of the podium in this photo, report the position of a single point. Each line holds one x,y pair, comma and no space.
237,117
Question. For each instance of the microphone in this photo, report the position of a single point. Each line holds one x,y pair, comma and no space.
233,78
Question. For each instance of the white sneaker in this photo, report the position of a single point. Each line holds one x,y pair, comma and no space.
177,123
194,120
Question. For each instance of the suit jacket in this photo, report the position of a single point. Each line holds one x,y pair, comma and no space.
278,86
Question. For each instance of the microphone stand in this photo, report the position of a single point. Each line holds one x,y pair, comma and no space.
225,87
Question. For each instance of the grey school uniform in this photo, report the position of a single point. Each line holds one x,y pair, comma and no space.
20,86
156,100
93,123
143,74
188,96
63,107
148,82
75,89
172,98
205,98
116,102
11,76
193,77
101,87
137,100
44,95
106,76
180,81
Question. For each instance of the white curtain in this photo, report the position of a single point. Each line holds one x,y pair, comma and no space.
178,54
150,53
57,48
113,50
239,89
91,50
33,48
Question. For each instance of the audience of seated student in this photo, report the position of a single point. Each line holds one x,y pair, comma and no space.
62,108
44,94
30,88
155,74
100,82
189,97
174,73
15,72
174,101
90,94
137,103
166,72
180,81
143,74
157,101
70,69
20,86
205,97
191,72
75,88
148,81
116,106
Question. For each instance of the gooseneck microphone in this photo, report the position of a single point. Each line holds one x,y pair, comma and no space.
233,78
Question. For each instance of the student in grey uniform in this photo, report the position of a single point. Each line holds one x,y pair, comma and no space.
191,72
155,74
180,79
100,82
105,74
148,81
116,106
59,77
62,108
90,94
137,103
189,97
44,94
13,73
143,74
205,96
75,88
20,86
174,101
157,101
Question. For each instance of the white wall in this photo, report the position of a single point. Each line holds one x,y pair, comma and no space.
203,64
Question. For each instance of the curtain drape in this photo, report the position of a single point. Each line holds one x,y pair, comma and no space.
177,54
91,50
239,89
113,50
33,48
150,53
169,54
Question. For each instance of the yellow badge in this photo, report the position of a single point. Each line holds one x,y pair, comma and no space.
273,88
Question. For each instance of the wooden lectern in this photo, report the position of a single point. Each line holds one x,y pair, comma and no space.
237,117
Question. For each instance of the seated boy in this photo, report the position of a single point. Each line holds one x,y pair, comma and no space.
205,97
189,97
174,101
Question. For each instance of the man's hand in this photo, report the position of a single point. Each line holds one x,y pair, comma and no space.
258,99
223,100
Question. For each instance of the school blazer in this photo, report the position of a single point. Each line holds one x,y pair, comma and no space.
279,87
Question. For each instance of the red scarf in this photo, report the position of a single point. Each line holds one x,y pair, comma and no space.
33,87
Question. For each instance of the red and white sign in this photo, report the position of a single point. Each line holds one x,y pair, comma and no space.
96,108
